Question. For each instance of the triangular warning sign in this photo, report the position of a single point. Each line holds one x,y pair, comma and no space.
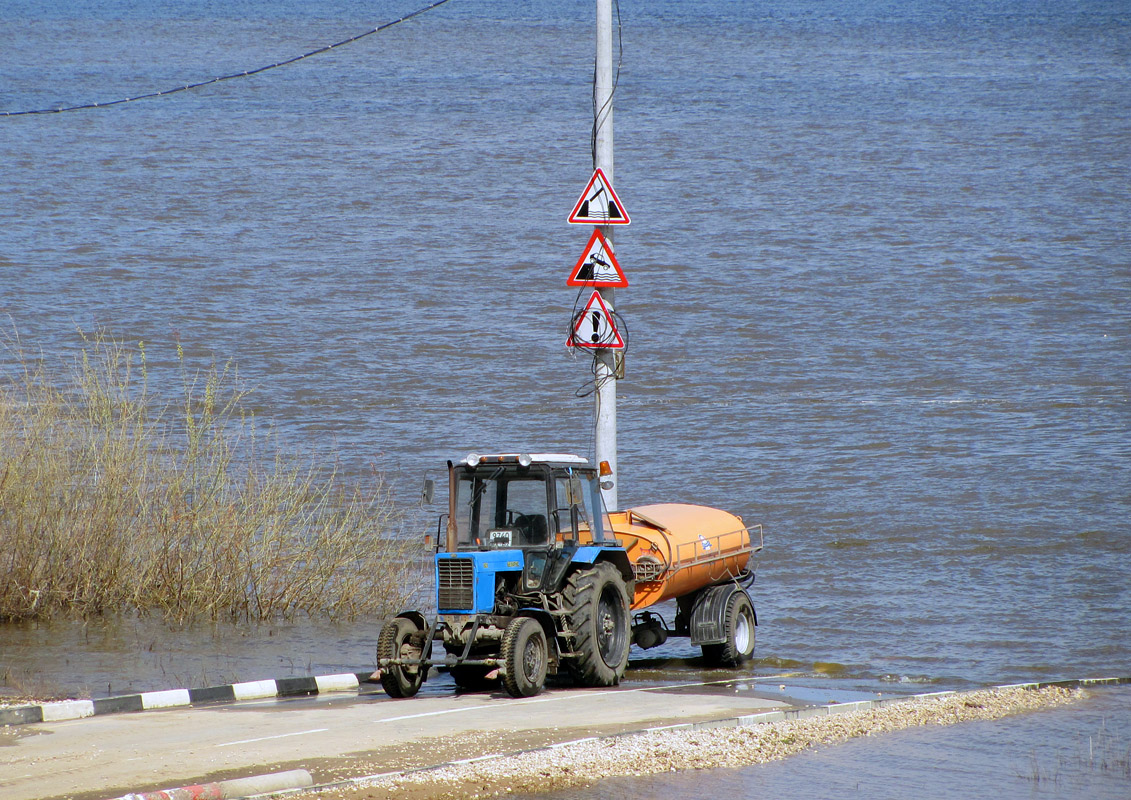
599,204
595,326
598,265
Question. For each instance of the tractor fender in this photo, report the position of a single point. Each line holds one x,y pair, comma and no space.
708,613
416,617
613,555
544,619
549,627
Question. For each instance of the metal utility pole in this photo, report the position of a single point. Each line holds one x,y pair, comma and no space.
605,425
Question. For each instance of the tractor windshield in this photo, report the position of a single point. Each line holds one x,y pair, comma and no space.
503,507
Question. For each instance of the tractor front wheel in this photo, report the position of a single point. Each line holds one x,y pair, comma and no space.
401,638
524,654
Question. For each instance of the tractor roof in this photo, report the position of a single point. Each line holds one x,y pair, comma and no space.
525,459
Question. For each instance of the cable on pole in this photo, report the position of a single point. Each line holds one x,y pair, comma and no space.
600,113
244,74
594,384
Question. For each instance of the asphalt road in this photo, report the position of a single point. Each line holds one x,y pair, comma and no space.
336,736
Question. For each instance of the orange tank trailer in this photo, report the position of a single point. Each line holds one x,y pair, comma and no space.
678,548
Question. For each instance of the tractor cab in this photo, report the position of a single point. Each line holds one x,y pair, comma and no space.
523,502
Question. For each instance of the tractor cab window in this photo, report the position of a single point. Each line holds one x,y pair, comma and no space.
503,507
572,512
577,496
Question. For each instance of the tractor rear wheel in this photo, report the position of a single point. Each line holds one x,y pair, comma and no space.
739,630
523,655
597,600
400,638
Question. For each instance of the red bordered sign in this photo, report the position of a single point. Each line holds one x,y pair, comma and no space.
595,327
599,204
598,265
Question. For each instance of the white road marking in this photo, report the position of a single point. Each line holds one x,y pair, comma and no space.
432,713
575,741
267,738
478,758
565,696
365,778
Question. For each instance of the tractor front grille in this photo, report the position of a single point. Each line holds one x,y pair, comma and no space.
455,583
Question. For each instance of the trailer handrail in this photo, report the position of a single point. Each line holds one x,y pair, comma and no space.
714,551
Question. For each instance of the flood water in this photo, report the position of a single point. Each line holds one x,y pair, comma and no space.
879,300
1083,752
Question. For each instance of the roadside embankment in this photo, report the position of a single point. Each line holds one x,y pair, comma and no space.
587,761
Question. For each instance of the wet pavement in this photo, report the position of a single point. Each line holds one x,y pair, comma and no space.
96,757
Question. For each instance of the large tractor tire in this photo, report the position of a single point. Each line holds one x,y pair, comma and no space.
400,638
597,600
739,629
524,656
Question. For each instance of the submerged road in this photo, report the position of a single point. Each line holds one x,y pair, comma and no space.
337,736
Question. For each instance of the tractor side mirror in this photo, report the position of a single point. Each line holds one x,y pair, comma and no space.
428,492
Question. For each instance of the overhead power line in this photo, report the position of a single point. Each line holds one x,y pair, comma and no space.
244,74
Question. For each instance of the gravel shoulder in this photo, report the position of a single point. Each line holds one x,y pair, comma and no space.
586,762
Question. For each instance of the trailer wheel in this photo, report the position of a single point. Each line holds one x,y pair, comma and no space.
739,646
524,657
400,638
598,609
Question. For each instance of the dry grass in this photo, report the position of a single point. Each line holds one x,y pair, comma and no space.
29,687
112,501
1104,754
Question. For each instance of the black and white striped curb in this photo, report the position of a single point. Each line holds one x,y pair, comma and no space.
762,718
173,698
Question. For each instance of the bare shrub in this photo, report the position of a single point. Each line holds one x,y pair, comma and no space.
113,501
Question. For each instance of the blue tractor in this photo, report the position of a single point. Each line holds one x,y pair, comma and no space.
526,582
533,577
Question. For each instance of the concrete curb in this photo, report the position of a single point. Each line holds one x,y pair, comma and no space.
290,781
733,722
174,698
